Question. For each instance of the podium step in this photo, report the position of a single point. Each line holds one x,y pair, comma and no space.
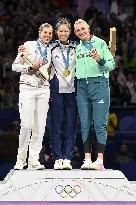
66,185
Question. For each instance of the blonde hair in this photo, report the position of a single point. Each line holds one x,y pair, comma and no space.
45,25
80,21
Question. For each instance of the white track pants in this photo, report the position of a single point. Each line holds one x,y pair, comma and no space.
33,108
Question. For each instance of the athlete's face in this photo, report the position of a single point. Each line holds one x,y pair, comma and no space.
46,34
82,31
63,33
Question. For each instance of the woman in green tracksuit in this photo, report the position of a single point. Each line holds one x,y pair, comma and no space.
94,61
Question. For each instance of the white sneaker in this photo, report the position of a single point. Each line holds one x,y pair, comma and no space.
86,164
66,164
58,164
20,164
35,165
97,166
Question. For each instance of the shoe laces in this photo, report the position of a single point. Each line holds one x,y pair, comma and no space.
87,160
37,163
99,165
34,163
67,161
59,161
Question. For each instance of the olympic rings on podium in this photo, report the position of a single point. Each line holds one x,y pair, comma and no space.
68,190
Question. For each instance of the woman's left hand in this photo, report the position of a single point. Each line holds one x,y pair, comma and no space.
21,49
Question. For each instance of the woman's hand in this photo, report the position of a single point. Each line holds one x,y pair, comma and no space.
21,49
37,65
95,55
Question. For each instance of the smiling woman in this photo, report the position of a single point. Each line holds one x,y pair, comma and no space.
63,97
93,61
45,32
63,30
33,97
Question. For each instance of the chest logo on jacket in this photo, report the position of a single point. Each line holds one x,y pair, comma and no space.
56,56
83,55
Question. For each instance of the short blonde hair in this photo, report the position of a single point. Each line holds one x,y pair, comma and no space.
45,25
80,21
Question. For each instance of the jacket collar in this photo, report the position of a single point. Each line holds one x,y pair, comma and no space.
92,40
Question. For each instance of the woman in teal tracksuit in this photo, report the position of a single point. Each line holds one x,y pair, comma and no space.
94,61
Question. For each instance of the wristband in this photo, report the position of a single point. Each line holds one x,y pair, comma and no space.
30,68
101,62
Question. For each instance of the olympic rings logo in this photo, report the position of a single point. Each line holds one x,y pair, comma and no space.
68,190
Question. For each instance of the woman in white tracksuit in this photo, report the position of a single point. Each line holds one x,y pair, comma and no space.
63,106
33,97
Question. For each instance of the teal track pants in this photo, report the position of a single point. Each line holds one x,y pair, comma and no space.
93,100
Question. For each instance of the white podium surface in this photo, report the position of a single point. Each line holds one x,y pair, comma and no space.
66,185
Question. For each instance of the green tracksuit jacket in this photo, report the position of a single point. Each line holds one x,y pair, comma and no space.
86,66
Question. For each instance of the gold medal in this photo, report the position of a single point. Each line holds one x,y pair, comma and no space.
66,72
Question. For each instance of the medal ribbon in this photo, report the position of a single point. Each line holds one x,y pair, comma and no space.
44,53
65,59
88,44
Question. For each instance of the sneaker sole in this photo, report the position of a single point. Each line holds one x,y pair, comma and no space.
20,168
85,168
67,169
30,168
100,169
58,169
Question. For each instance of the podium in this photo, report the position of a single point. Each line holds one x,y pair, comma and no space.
66,185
